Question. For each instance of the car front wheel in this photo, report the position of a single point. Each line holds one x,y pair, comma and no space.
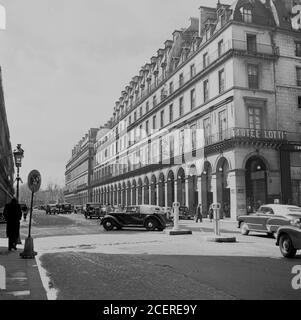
150,225
286,246
108,225
244,229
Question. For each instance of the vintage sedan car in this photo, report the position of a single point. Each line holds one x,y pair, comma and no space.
289,239
185,214
93,210
146,216
78,209
268,219
65,208
52,209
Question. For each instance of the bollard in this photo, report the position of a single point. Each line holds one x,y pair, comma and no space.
176,229
176,207
216,221
217,234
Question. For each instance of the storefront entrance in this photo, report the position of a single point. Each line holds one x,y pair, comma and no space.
256,184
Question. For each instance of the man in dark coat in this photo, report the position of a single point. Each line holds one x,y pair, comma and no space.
199,213
12,214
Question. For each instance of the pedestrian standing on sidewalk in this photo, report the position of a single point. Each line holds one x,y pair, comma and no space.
210,213
199,213
12,214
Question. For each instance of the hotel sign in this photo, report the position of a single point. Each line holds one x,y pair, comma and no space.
259,134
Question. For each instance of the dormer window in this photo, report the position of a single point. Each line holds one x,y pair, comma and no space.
246,13
208,33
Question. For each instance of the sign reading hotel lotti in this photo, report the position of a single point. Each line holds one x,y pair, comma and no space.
259,134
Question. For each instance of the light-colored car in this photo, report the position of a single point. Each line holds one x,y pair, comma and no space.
269,218
289,239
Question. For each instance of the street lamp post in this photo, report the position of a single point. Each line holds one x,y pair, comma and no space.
18,155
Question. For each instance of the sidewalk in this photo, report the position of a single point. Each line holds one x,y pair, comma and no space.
23,280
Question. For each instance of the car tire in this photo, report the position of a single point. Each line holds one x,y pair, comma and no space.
150,225
286,246
244,230
108,225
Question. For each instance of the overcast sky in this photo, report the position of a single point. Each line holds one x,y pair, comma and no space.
65,62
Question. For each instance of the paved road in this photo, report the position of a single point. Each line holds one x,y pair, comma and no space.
79,260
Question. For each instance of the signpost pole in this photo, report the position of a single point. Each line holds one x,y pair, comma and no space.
34,183
30,215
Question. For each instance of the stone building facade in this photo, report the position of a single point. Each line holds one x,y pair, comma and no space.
78,170
6,156
213,117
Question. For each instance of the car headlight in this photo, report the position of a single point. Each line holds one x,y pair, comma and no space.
296,223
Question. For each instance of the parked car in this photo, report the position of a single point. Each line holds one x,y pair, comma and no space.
146,216
78,209
169,213
93,210
52,209
65,208
269,218
289,239
185,214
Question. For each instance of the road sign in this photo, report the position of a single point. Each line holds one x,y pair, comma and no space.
34,181
216,206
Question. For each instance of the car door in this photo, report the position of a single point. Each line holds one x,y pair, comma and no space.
137,217
257,221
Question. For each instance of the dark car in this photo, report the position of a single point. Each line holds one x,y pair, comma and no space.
185,214
268,219
145,216
65,208
289,238
52,209
93,210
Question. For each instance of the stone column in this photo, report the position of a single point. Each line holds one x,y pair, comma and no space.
176,190
150,194
214,187
237,185
157,194
187,192
166,196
